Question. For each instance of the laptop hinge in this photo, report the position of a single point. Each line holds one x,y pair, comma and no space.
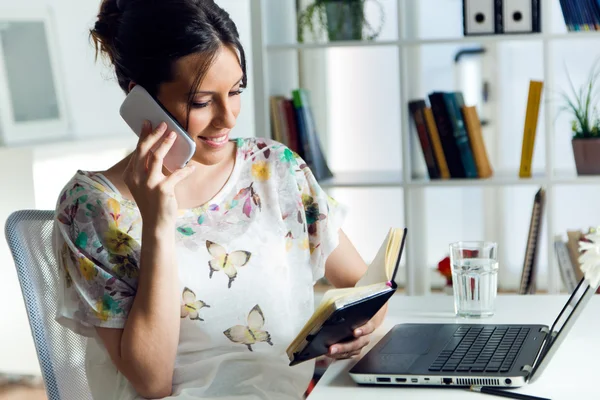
527,368
541,353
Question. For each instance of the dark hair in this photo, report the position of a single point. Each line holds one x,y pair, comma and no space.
143,38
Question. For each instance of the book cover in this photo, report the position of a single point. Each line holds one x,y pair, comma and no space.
276,125
573,238
454,102
529,271
415,107
341,311
446,133
434,137
290,120
473,126
531,120
564,264
312,152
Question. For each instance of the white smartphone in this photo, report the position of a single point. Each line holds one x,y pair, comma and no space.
138,106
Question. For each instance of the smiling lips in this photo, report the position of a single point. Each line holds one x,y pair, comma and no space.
216,142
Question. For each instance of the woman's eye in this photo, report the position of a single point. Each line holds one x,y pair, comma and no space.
200,105
236,92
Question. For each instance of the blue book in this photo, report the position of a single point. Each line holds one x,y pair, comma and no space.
308,136
454,104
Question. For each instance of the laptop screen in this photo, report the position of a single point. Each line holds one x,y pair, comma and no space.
563,324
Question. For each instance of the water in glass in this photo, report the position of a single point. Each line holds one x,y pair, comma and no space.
475,286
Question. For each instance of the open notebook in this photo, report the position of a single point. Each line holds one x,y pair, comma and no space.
343,310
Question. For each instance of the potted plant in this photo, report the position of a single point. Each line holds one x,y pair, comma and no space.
585,123
341,19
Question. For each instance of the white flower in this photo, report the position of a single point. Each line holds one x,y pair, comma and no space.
590,259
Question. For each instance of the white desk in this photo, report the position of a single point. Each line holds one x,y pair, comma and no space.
572,373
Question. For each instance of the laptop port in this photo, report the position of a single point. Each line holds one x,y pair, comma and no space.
414,380
379,379
400,380
447,381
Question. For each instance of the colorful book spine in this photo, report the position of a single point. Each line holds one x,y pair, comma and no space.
444,127
565,266
529,133
434,137
454,102
290,117
473,125
309,140
415,108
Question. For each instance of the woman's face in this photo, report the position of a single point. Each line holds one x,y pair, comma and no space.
215,105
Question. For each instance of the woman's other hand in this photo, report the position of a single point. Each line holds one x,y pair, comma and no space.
360,340
153,191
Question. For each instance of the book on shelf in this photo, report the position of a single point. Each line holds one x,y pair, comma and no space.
446,132
451,137
565,266
341,311
530,129
581,15
573,238
567,255
293,124
473,124
416,108
434,137
529,272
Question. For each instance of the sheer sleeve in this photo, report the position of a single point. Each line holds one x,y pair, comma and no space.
323,217
97,247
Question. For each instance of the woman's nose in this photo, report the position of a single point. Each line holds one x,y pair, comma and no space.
225,118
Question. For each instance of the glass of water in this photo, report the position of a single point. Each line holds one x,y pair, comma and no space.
474,278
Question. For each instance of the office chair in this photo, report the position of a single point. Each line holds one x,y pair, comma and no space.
60,351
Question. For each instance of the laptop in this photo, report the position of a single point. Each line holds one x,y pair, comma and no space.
468,354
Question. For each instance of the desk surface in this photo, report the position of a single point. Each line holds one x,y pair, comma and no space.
572,373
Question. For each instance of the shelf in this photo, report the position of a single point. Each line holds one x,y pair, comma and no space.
434,41
499,179
329,45
364,179
571,178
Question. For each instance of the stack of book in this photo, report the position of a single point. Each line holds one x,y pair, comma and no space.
450,136
581,15
567,255
293,124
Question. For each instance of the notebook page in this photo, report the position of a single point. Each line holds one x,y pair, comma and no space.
376,273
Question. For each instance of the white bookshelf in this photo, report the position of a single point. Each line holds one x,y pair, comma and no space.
269,79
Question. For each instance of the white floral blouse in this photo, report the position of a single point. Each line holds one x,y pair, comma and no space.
247,262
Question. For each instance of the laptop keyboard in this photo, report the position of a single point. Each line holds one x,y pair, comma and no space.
481,349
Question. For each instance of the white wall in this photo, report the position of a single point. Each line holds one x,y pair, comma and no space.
33,175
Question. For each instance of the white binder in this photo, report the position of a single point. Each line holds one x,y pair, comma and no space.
517,16
479,17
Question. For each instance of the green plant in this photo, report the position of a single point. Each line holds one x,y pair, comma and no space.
314,18
582,105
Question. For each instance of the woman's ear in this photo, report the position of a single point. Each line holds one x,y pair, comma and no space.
131,86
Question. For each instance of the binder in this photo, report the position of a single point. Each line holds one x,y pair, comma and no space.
517,16
479,17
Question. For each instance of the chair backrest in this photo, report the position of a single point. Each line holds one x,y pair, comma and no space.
61,352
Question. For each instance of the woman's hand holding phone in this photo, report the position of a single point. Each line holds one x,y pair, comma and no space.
153,191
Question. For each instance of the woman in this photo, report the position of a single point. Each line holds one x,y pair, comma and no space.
193,283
